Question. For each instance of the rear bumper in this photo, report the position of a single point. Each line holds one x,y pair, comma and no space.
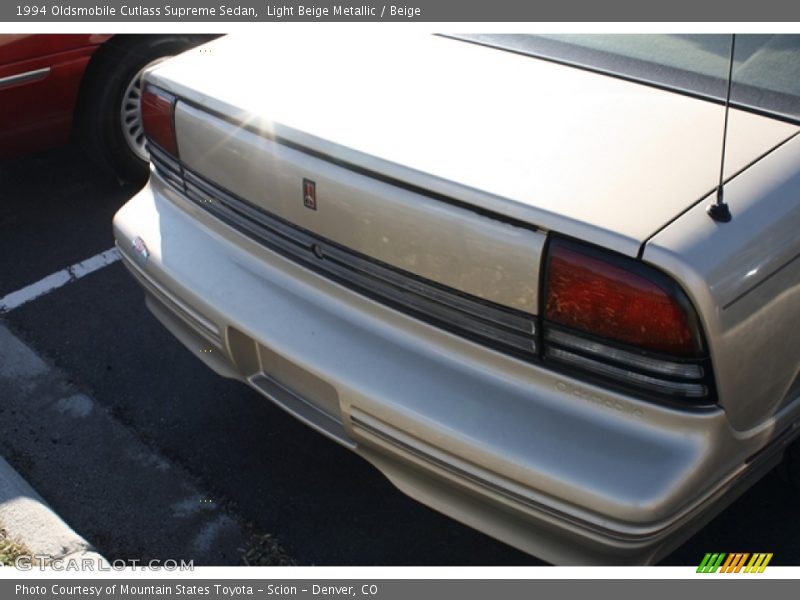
557,467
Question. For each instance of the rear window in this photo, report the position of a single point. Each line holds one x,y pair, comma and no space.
766,68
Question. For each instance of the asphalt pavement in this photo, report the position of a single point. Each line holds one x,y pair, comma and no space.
140,448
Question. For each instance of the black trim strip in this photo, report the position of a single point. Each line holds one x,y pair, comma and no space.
493,325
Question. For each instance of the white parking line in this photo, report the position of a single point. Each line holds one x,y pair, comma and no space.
58,279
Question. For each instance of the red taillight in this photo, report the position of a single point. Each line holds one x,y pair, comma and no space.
589,292
158,118
612,318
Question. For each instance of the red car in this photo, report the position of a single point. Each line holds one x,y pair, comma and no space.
87,86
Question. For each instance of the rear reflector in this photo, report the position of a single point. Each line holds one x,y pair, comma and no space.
158,118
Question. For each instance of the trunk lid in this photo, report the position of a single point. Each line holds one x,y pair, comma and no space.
486,150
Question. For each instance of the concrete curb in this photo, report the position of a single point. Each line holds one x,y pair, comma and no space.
29,521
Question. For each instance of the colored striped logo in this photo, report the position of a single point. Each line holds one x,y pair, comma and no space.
734,563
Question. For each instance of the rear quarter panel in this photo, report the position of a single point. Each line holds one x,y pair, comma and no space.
744,278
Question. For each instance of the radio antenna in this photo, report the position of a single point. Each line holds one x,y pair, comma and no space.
719,210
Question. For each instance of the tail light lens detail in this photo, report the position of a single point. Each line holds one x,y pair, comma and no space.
615,318
158,118
599,295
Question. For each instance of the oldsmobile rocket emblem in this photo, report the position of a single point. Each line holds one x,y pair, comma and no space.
309,194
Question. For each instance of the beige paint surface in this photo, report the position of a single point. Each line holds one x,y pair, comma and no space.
590,155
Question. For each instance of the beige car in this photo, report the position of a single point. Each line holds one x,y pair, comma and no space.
500,268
